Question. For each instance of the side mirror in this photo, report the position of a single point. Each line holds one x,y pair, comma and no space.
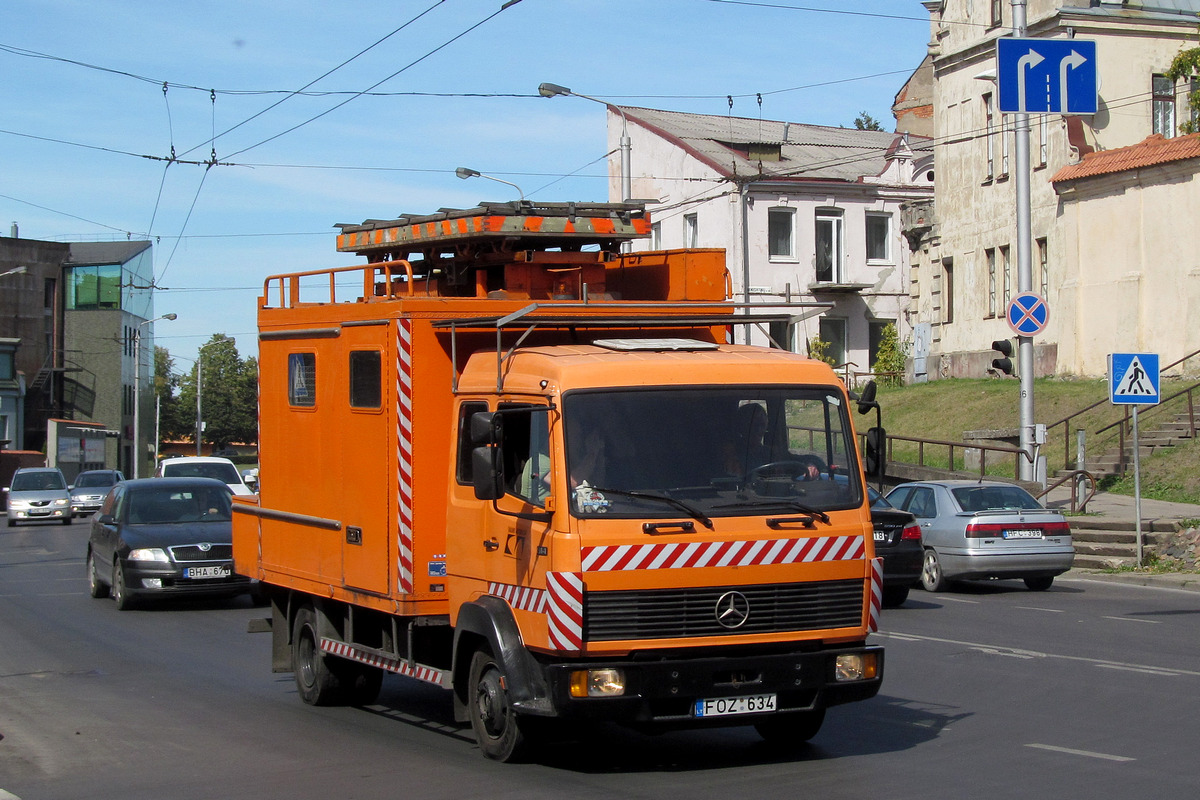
105,519
866,401
484,428
488,481
875,457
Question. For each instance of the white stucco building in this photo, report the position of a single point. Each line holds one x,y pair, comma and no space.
1115,257
804,212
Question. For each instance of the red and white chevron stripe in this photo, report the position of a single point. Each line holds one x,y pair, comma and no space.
876,594
400,667
521,597
565,610
404,471
760,552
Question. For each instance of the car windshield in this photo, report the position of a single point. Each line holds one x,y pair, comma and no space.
157,506
95,479
225,473
37,481
718,451
993,498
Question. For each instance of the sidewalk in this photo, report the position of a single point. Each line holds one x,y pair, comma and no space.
1121,508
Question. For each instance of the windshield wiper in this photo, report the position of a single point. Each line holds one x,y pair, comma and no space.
686,508
772,503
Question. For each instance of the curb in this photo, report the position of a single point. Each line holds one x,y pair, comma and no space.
1182,581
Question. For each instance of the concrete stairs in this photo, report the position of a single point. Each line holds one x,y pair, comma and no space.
1104,544
1169,433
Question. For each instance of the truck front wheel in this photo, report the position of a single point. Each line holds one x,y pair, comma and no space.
316,683
496,726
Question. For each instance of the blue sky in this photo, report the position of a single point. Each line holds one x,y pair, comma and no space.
87,129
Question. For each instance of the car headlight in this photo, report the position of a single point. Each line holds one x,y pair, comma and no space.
149,554
61,502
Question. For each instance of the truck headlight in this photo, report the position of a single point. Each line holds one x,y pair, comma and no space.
597,683
855,667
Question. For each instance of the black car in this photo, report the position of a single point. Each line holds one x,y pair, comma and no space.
163,537
898,543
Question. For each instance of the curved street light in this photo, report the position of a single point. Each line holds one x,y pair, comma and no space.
137,391
554,90
467,172
15,271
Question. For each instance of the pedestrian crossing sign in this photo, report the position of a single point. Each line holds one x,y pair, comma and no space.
1133,378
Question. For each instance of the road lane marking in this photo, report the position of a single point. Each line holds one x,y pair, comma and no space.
8,795
959,600
1148,670
1036,608
1036,654
1131,619
1085,753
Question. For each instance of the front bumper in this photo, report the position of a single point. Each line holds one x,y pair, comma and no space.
664,691
35,514
140,578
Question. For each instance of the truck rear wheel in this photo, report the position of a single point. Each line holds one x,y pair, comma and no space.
317,684
790,729
496,725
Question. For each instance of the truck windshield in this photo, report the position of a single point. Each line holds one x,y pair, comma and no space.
722,451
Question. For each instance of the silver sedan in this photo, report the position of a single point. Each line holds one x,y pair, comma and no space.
985,530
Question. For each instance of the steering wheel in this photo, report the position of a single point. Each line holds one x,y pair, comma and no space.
795,468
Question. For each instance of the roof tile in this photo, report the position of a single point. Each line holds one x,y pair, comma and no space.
1155,149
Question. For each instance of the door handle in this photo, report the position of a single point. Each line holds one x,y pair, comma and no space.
491,545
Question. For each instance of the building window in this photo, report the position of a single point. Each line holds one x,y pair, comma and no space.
1004,265
1194,104
997,16
1044,268
1003,146
6,367
989,256
781,233
1163,105
833,333
948,290
989,136
829,245
1043,138
656,236
691,231
302,379
879,233
366,379
94,287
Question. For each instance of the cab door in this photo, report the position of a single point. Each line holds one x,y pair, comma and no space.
363,423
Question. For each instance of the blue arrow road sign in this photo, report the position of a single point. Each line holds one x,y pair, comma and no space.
1133,378
1046,76
1027,314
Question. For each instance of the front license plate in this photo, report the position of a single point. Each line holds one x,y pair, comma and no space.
729,706
1022,534
207,572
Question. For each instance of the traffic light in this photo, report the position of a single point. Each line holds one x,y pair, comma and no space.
1003,364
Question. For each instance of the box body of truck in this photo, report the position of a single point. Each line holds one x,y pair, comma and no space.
506,459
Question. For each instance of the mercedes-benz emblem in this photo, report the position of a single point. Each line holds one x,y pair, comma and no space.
204,547
732,610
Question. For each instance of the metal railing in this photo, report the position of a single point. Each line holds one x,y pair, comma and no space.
1074,477
951,447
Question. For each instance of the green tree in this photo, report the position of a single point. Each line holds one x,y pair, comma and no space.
865,122
819,349
166,386
228,393
890,360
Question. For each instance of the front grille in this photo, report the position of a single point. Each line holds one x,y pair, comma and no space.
192,552
683,613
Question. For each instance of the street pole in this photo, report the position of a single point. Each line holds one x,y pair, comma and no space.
1024,265
554,90
199,364
137,394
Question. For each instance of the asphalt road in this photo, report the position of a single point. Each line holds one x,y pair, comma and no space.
1087,690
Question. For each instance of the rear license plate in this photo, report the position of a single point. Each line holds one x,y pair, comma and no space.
1026,534
881,536
206,572
729,706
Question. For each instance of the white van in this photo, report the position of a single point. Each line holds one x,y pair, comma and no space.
203,467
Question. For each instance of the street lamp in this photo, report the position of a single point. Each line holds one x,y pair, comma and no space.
467,172
554,90
15,271
137,391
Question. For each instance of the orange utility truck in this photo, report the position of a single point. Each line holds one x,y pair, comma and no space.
507,459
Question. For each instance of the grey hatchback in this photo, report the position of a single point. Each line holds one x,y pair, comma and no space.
985,530
38,493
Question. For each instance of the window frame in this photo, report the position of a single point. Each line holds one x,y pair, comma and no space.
691,230
886,218
836,218
356,380
1162,105
989,257
306,360
785,213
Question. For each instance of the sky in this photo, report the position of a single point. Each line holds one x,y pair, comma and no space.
113,111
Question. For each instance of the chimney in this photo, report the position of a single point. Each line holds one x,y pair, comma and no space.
14,230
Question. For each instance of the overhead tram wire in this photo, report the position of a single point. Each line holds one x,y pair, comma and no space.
322,76
411,64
